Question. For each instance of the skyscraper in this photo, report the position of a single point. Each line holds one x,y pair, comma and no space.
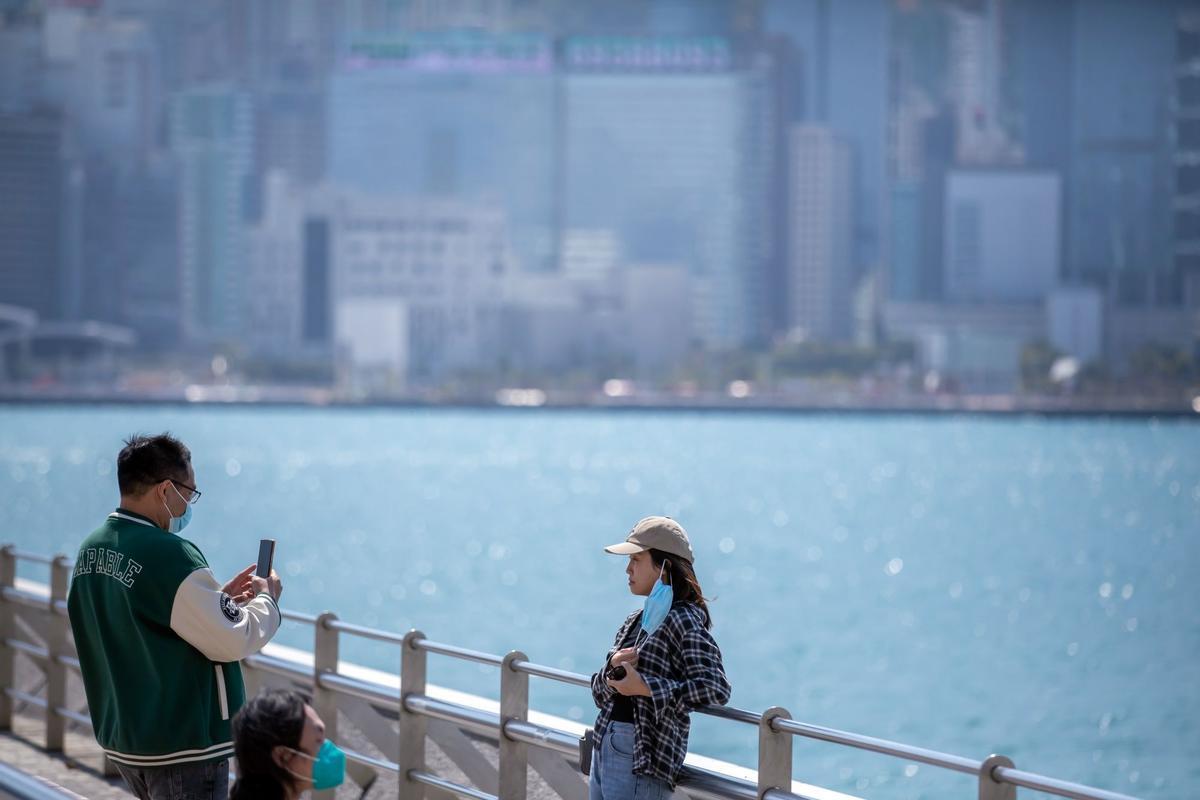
290,124
39,215
1186,134
101,72
845,48
819,220
146,214
20,68
669,142
466,116
1119,176
212,138
1002,236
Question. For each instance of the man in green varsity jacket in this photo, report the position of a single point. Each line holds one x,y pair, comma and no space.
159,639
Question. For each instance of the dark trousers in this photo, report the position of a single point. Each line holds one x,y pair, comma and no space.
205,781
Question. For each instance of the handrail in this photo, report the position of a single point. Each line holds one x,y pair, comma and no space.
37,558
298,616
363,631
931,757
18,785
430,779
458,652
560,675
995,769
25,697
371,761
1042,783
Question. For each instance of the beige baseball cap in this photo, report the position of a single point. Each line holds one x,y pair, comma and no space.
655,533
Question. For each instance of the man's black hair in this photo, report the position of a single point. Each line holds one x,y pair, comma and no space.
147,460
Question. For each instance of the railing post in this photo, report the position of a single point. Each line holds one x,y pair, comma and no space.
774,753
56,644
413,663
989,787
8,579
325,662
514,705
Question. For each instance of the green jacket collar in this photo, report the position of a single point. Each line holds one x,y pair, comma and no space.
125,515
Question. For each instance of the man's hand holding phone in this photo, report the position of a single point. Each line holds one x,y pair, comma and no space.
241,586
265,577
271,585
245,586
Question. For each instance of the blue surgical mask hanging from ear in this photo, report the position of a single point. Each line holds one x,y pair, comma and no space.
658,604
177,524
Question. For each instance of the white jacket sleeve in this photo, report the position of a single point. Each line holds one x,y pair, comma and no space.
209,620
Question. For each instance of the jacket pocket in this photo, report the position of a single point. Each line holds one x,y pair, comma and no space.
222,696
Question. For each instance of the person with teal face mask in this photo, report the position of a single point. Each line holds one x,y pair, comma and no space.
281,749
663,663
159,637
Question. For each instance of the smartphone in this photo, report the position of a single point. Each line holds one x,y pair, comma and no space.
266,556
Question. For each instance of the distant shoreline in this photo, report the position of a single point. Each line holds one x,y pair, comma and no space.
942,405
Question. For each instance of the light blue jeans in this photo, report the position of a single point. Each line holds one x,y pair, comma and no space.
612,775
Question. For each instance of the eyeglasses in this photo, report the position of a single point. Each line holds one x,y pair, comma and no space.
193,498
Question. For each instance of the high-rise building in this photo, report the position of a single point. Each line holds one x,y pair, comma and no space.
905,242
212,138
290,123
1185,108
1002,236
275,268
975,73
21,82
320,255
145,221
669,142
101,72
1119,220
844,47
1038,62
820,216
40,216
463,116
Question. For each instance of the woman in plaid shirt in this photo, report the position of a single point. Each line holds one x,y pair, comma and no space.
658,670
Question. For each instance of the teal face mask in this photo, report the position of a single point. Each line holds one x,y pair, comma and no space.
329,767
177,524
658,604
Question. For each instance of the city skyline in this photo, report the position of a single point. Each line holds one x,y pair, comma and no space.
951,179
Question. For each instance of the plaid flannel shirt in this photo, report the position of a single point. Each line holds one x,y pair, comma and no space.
681,664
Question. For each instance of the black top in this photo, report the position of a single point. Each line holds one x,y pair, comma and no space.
622,709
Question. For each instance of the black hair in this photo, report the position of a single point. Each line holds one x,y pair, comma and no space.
681,576
272,718
147,460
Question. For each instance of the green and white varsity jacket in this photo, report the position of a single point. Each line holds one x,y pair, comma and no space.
159,644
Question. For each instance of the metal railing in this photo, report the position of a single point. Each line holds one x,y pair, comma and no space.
18,785
518,739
